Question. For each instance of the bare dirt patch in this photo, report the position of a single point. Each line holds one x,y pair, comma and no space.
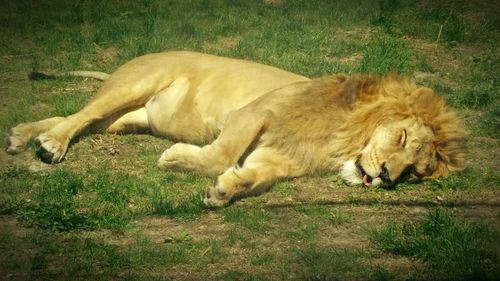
9,224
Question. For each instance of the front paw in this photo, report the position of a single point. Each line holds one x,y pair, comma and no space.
216,197
50,150
179,157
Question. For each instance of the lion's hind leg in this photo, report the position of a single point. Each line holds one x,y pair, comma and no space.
126,121
111,103
24,132
261,169
135,121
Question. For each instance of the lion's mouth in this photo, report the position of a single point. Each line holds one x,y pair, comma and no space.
367,179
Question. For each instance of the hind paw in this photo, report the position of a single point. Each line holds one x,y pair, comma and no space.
18,139
15,144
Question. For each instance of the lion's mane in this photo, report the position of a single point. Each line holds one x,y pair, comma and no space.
373,100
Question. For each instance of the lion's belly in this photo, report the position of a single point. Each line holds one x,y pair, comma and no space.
173,113
192,111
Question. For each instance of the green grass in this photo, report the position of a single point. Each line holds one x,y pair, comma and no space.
63,202
385,54
468,179
334,215
188,208
331,264
254,219
102,215
453,249
454,20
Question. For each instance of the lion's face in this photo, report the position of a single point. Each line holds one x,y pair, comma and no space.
395,150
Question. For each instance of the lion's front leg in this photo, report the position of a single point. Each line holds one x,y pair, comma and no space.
210,159
261,169
182,157
240,131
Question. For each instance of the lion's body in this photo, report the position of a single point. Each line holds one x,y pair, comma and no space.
193,93
184,96
261,124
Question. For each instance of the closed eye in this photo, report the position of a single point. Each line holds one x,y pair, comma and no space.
402,139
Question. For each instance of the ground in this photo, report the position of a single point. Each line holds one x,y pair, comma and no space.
107,212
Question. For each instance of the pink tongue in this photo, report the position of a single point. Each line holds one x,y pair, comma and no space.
366,182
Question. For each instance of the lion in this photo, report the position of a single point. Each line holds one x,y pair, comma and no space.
253,125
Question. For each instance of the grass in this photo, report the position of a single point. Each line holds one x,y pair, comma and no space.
385,53
454,250
254,220
468,179
191,207
331,264
108,213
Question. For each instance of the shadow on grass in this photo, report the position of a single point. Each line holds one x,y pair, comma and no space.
372,202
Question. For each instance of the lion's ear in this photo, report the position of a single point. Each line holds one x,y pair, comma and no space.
449,133
448,160
449,144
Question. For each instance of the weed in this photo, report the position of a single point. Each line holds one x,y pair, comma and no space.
474,98
242,237
181,237
86,257
338,217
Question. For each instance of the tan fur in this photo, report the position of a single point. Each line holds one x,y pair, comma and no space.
261,124
185,96
333,121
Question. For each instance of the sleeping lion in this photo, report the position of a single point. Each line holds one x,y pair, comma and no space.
253,124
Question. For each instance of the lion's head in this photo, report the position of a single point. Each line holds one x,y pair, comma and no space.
397,130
